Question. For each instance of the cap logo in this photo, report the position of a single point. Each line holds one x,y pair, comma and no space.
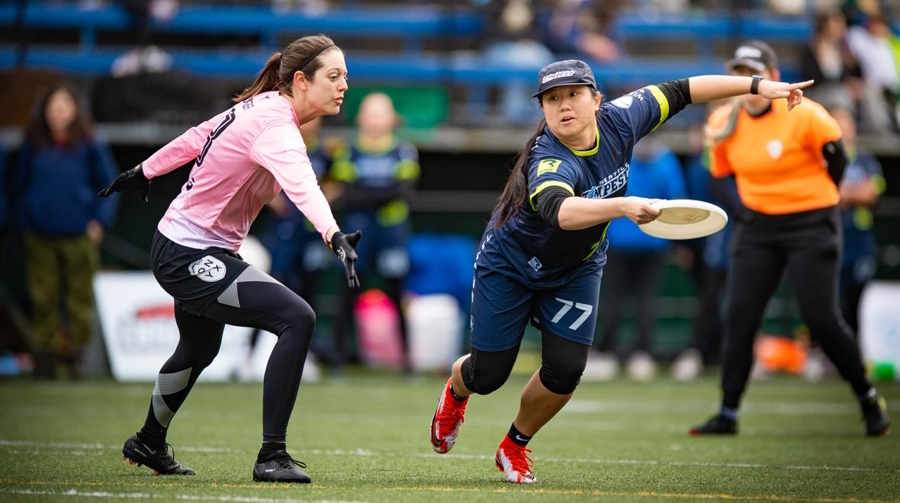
557,75
748,52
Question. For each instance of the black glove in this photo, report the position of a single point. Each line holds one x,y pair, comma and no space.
343,245
132,178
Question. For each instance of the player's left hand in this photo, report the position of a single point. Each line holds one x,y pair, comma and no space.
344,246
793,93
132,178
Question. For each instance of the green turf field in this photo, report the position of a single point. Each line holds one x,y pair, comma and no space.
365,438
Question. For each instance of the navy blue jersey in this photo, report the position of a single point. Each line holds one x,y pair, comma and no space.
318,159
382,172
544,254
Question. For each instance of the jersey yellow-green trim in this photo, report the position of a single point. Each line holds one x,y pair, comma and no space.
550,183
382,146
587,153
663,105
342,170
407,169
549,165
597,244
862,218
880,183
394,212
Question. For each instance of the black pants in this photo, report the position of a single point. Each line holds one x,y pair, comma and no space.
633,272
706,335
807,246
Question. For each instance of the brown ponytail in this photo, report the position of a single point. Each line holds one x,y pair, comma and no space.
515,193
278,73
267,80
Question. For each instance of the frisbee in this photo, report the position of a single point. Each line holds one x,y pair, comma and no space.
685,219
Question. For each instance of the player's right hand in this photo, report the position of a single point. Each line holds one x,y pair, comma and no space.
640,210
344,246
793,93
133,178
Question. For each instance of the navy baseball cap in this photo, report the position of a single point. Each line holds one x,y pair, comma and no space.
570,72
755,55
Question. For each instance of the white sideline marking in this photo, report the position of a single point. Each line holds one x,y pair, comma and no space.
184,497
783,408
71,445
651,462
368,453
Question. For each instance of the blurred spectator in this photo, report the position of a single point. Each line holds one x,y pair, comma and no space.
512,40
145,58
828,60
585,27
860,188
872,44
377,173
61,168
655,172
307,7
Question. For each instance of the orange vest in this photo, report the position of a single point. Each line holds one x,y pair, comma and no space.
777,158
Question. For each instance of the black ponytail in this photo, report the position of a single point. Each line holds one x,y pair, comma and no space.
515,193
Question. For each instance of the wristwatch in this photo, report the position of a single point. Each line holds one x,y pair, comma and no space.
754,86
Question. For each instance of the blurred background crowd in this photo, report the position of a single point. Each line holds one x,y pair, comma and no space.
92,87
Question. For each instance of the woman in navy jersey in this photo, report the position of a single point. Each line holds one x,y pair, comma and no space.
542,255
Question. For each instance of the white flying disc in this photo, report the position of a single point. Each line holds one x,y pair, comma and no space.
685,219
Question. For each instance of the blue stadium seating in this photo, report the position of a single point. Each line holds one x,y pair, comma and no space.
411,25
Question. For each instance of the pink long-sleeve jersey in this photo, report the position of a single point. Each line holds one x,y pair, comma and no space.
243,157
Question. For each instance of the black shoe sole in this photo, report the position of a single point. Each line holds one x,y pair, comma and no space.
276,481
697,432
134,460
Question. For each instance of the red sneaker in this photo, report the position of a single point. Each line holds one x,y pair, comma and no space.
448,417
512,459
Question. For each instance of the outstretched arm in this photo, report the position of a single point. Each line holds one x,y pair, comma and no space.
715,87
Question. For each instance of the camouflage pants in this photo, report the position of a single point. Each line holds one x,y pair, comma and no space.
61,269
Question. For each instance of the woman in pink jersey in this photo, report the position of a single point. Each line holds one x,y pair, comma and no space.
242,158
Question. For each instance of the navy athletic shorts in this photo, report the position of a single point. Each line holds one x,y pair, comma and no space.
195,278
503,304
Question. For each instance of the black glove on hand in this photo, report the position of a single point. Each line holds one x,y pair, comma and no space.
343,245
132,178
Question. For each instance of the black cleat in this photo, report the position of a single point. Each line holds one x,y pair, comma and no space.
281,468
878,424
716,425
158,460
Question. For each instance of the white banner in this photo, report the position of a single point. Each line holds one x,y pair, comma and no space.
879,328
137,318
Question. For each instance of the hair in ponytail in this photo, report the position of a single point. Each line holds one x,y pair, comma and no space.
515,193
278,73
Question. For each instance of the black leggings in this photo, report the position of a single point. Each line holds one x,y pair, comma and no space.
807,246
562,363
263,303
